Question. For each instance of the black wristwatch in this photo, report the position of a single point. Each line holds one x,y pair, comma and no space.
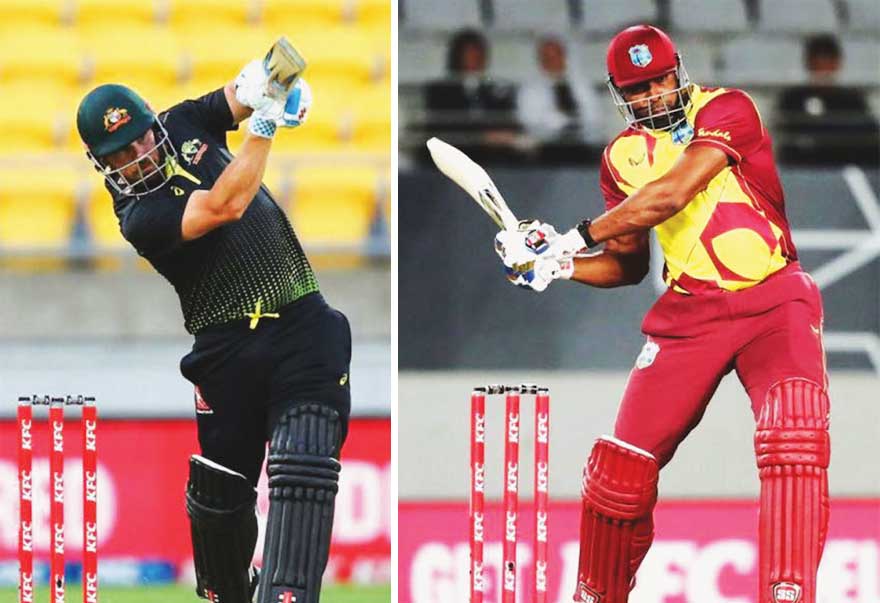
584,230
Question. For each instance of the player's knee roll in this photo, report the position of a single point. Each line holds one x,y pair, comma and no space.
620,480
303,471
792,426
221,505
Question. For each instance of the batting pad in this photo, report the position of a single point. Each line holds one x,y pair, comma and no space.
221,505
303,481
619,494
793,448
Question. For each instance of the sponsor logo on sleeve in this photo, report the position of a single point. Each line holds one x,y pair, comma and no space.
714,133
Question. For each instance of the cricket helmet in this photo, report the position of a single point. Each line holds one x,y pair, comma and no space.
111,117
639,54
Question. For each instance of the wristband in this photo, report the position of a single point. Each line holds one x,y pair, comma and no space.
260,126
584,230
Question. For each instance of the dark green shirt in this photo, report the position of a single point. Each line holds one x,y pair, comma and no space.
223,275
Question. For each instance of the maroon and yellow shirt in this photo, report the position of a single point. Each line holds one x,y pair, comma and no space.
733,234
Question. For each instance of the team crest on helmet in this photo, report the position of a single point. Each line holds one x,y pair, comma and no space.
640,55
786,592
115,118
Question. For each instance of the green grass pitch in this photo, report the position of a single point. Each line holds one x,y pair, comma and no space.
185,594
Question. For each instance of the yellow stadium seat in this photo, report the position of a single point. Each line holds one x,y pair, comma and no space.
207,14
31,119
373,12
134,56
41,54
372,119
335,204
112,13
278,179
341,51
37,205
102,221
291,16
17,13
217,58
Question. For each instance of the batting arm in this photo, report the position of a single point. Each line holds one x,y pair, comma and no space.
624,260
231,194
661,199
239,111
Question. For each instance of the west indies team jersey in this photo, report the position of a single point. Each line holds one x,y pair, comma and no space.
732,235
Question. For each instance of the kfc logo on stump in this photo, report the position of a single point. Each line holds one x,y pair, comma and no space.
786,592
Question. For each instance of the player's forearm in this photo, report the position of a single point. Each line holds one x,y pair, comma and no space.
649,206
239,182
608,269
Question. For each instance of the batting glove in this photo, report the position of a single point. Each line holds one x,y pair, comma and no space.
297,105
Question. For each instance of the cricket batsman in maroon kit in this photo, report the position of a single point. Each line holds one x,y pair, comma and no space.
696,165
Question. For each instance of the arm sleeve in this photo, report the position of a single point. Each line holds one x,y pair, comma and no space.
154,224
210,111
611,191
730,122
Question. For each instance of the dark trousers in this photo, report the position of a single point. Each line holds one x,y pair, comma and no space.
247,378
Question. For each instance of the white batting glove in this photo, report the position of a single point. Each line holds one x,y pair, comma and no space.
250,86
567,245
525,257
297,105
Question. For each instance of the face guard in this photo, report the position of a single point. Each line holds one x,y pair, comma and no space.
667,118
152,175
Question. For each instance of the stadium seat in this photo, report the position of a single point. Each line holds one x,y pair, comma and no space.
373,12
718,16
32,120
348,51
761,60
54,54
18,13
371,113
208,14
612,15
514,57
863,16
334,204
590,58
420,59
278,180
797,16
699,59
37,205
102,221
107,13
216,59
440,16
290,16
528,15
861,62
119,55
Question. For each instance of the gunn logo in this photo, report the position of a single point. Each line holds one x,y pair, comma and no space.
786,592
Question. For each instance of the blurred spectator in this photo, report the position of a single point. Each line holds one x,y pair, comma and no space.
559,111
822,122
471,110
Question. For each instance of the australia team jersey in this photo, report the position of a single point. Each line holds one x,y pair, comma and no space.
252,266
732,235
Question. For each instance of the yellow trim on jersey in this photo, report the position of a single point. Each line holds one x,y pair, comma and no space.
740,250
257,314
173,168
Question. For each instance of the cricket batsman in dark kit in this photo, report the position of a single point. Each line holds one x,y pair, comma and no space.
696,165
270,360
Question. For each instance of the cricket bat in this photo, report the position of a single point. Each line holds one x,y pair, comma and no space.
467,174
284,65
